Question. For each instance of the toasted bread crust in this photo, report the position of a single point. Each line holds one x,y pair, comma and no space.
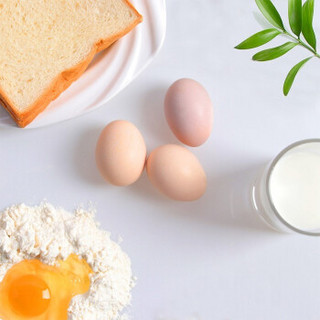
63,80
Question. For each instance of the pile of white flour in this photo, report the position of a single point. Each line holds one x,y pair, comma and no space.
50,234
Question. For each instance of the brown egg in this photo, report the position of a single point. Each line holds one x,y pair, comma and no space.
121,153
189,112
177,173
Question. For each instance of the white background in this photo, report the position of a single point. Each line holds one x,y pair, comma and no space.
212,259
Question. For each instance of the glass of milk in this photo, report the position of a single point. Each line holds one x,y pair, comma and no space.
287,194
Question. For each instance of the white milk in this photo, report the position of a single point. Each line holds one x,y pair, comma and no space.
287,194
294,186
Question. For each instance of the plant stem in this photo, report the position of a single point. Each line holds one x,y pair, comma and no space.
301,43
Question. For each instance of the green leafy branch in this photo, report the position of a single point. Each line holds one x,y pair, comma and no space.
301,25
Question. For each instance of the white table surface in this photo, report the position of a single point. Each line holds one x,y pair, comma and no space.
212,259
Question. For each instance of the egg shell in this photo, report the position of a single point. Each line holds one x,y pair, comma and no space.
121,153
177,173
189,112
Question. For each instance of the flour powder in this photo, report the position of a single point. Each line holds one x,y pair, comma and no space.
50,234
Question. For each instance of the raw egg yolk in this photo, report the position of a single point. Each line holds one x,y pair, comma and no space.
35,291
29,296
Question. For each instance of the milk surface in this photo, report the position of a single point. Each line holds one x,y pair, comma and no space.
295,187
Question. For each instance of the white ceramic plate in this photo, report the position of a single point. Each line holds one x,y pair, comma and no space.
111,70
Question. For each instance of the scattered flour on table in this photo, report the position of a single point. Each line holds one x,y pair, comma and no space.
50,234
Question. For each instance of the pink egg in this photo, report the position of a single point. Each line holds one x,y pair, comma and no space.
189,112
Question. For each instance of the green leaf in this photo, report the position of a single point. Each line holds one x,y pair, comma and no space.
270,12
295,16
292,75
274,53
258,39
307,20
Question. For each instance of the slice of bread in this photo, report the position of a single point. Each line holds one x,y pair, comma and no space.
45,45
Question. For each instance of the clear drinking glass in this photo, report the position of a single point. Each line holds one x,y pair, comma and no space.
300,163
